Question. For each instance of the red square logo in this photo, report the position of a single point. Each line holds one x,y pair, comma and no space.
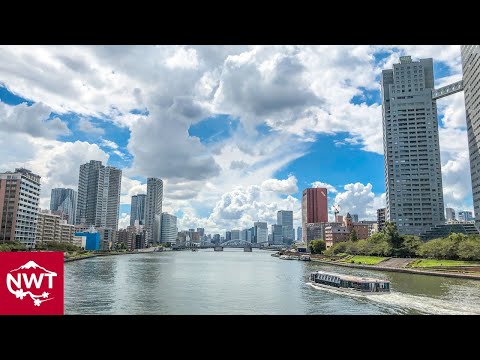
31,283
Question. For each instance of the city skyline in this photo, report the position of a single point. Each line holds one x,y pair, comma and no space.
200,140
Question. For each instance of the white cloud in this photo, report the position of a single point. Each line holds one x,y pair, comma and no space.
109,144
287,186
360,199
129,188
88,127
183,58
330,188
123,221
33,120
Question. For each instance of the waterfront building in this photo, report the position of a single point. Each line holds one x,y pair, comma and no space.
443,230
235,234
341,232
315,231
169,228
277,234
471,89
108,237
201,231
64,201
19,199
228,235
137,209
260,232
413,175
98,200
314,208
153,210
285,218
92,239
299,234
381,218
50,227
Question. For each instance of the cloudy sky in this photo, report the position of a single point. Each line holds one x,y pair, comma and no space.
235,132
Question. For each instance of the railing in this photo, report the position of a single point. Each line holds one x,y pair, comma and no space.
447,90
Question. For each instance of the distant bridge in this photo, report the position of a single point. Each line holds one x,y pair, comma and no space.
226,244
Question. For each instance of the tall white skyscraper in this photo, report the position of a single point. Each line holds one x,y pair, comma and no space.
471,90
65,201
260,232
153,210
98,201
413,175
137,209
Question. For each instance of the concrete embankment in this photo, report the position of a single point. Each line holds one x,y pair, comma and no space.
140,251
402,270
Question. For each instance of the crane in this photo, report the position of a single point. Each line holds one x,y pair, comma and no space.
336,210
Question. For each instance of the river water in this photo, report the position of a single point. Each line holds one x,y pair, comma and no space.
237,282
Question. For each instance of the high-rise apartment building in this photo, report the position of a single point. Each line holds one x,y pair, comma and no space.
153,210
465,216
285,218
450,214
471,90
19,198
314,208
50,227
169,228
98,201
64,201
413,175
137,209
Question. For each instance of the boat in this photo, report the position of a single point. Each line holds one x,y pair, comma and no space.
287,257
305,258
247,249
218,248
275,255
350,283
193,249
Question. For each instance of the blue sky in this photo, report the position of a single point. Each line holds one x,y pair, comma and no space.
235,132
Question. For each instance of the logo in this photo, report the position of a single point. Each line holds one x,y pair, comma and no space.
31,283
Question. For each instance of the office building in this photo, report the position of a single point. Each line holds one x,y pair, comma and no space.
443,230
471,90
465,216
354,218
19,199
235,234
260,232
228,235
153,210
137,209
98,200
450,214
413,175
277,234
169,228
314,208
285,218
201,231
64,201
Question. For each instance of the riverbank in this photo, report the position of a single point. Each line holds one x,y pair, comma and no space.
402,270
140,251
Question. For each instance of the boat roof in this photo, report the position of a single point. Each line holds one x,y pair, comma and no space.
351,277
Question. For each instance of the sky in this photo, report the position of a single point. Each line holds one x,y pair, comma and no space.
235,132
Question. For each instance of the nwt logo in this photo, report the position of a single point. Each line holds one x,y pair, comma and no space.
31,288
27,280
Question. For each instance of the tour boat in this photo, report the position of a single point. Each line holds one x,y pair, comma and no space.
305,258
287,257
349,282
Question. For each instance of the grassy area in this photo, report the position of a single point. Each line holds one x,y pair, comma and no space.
359,259
434,262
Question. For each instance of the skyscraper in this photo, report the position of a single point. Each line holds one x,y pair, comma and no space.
471,90
19,198
260,232
169,228
98,201
299,234
354,217
465,216
277,234
381,218
285,218
65,201
137,209
450,214
314,208
153,210
413,175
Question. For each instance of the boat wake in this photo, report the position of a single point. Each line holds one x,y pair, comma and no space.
405,302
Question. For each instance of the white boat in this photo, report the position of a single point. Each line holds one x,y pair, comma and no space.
350,283
287,257
305,258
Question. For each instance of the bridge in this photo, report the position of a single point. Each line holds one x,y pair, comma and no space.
447,90
226,244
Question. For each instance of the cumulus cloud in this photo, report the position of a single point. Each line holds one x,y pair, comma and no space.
359,199
287,186
129,188
330,188
33,120
238,164
88,127
123,221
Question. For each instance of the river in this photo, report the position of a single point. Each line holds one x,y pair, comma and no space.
237,282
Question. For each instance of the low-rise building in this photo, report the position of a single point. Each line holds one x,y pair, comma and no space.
51,227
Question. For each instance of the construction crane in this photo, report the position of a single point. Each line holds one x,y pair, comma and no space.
336,210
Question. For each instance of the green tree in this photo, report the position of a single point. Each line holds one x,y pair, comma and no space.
353,236
411,244
393,237
317,246
469,249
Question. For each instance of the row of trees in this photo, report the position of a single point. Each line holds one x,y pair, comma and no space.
389,242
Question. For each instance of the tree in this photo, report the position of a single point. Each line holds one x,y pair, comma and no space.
392,235
353,236
469,249
317,246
